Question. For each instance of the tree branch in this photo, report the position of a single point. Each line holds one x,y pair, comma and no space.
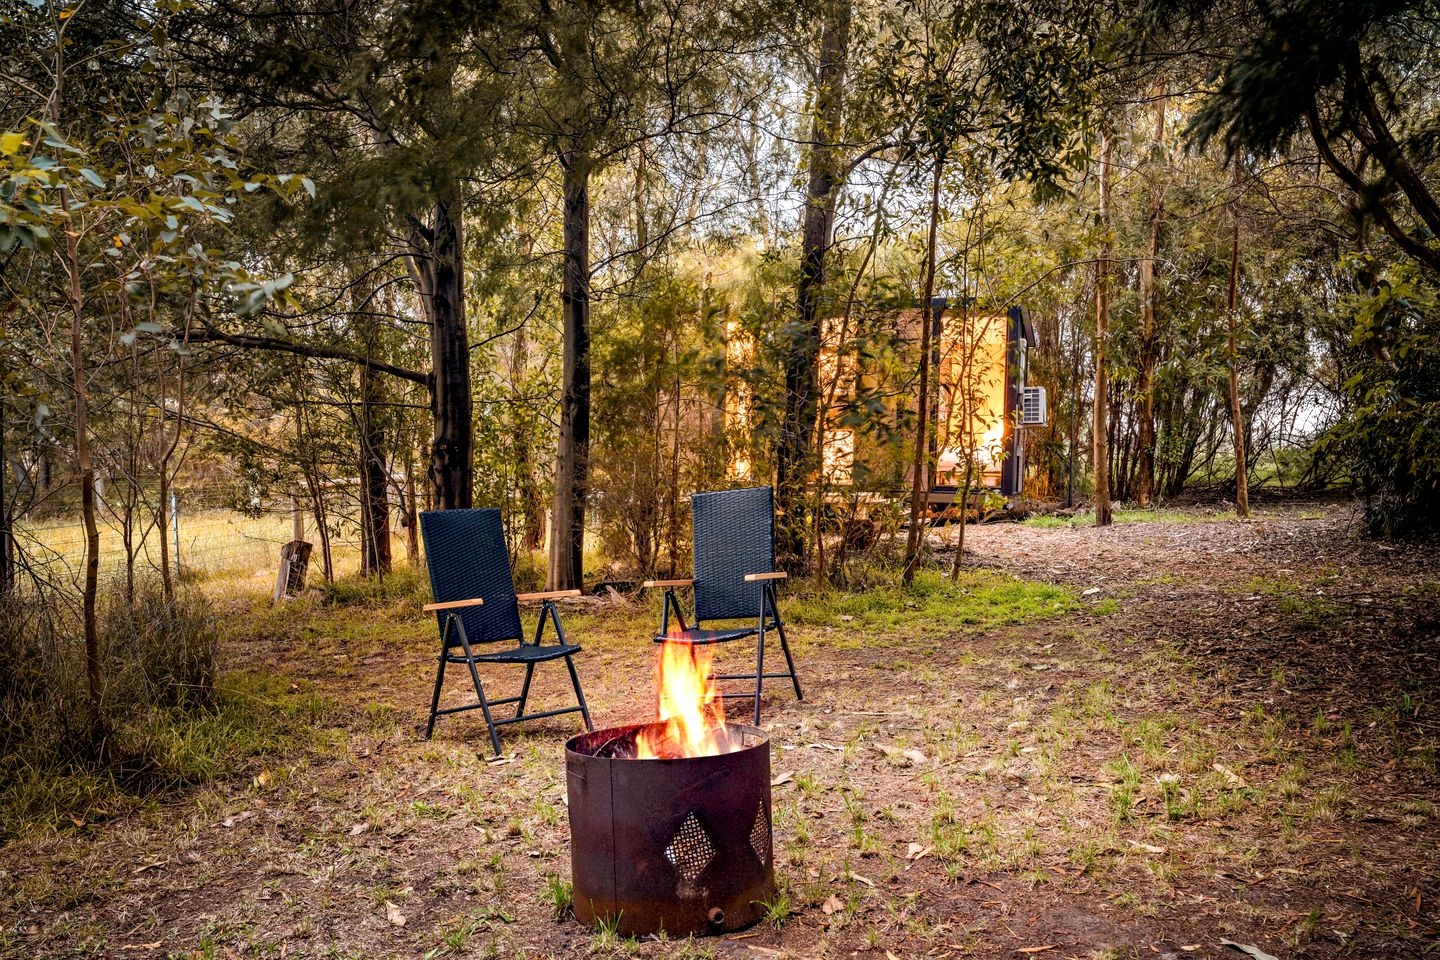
253,342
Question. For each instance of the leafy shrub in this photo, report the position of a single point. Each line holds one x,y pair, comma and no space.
158,666
1390,439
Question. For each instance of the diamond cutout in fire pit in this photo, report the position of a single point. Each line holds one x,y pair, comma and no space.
691,849
760,835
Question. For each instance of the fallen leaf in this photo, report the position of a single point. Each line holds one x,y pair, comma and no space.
787,776
1048,946
1088,593
1255,952
358,829
915,756
855,876
393,914
1231,777
263,778
157,944
229,822
834,904
1148,847
915,851
149,866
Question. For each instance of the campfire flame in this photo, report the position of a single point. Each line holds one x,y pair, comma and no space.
691,712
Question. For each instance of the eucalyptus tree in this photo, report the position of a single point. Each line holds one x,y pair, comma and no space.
1011,82
597,79
825,159
1356,81
392,110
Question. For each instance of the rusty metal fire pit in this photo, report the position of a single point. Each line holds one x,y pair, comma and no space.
679,845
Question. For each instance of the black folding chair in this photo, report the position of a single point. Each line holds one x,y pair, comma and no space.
475,603
735,578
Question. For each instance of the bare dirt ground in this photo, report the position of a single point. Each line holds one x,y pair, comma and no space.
1228,732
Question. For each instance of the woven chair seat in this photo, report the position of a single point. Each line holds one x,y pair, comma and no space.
524,653
697,635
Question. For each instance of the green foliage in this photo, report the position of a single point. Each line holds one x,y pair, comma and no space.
1390,438
558,896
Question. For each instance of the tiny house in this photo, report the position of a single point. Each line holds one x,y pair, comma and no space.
984,362
868,384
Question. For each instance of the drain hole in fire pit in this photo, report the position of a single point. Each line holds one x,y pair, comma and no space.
691,849
760,835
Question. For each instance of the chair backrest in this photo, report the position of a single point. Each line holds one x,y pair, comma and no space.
734,533
465,551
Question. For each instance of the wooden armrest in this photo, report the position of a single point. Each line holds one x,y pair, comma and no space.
453,604
754,577
547,594
667,583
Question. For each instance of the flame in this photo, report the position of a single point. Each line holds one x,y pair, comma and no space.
690,710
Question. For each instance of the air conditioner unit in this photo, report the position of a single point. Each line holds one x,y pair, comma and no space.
1033,408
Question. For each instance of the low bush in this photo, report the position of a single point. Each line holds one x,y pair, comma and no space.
165,718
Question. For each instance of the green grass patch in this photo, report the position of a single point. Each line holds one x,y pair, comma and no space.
933,605
1148,515
403,584
251,716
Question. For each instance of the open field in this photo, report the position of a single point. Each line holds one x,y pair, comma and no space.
1132,742
234,551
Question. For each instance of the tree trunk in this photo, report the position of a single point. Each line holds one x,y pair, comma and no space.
1149,299
674,511
1073,447
412,518
802,352
1237,422
437,263
532,503
7,508
86,468
375,556
162,507
919,481
567,518
964,518
375,490
162,503
1100,456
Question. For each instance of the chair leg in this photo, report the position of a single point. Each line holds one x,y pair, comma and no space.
480,692
785,647
525,689
759,666
435,697
579,694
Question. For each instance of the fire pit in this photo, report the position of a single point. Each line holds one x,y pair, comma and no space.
670,821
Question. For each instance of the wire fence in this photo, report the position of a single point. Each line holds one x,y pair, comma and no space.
212,536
